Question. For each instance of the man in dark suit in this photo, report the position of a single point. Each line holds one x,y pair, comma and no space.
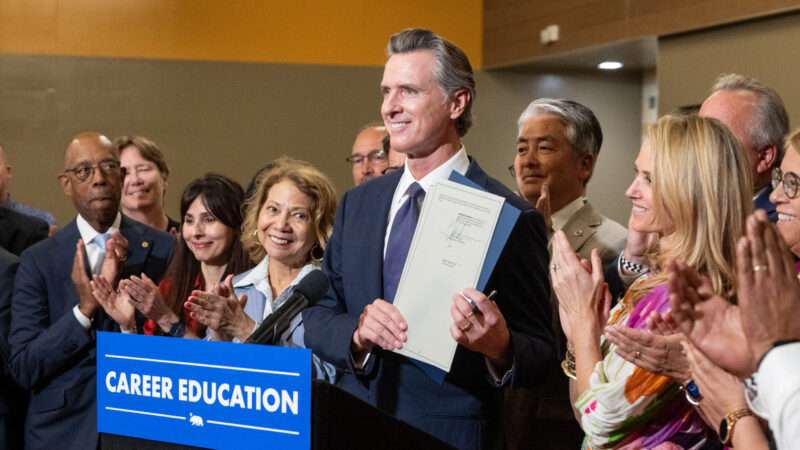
19,231
428,89
52,336
12,398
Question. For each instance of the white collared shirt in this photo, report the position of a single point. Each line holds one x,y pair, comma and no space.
778,394
93,253
88,234
560,218
458,162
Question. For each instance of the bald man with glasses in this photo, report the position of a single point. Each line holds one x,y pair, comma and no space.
368,158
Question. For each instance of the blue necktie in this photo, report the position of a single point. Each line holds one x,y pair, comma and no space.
100,242
403,227
405,222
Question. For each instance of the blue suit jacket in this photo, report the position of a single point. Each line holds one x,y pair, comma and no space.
51,353
12,399
762,202
457,411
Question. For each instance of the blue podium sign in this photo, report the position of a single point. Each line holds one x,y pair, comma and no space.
208,394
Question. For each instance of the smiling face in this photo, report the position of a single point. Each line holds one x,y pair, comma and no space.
285,227
544,155
640,192
143,187
415,110
788,209
96,198
208,239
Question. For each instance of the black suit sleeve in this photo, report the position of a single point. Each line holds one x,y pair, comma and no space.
523,296
8,268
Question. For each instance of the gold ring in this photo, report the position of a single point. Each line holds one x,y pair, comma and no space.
466,328
759,268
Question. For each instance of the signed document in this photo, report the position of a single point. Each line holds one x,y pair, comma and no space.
447,254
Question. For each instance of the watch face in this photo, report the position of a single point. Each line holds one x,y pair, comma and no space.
723,431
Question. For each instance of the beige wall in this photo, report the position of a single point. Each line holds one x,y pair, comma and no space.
234,117
766,49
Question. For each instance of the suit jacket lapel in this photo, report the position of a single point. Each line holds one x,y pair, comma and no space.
582,225
64,257
138,247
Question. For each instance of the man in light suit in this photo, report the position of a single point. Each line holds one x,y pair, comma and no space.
52,335
428,89
558,144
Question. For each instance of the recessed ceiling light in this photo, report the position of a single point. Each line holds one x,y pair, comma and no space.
610,65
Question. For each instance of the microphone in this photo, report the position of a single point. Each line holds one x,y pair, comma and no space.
306,293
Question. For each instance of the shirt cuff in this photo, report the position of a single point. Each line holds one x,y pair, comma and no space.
496,379
85,322
625,276
771,385
359,365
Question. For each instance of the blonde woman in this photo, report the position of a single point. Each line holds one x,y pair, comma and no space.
692,188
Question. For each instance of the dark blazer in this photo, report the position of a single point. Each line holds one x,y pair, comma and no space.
762,202
19,231
51,353
459,410
12,398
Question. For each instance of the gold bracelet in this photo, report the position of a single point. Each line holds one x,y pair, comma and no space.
568,371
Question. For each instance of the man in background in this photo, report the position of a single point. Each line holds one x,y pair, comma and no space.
368,158
8,202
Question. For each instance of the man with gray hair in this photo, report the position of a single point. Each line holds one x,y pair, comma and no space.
755,114
428,88
558,144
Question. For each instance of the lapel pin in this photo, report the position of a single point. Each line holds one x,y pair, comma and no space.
145,244
578,233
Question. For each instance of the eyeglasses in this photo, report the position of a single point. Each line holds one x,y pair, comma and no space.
86,171
512,171
373,157
790,180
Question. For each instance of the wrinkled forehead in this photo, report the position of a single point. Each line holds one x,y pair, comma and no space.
89,151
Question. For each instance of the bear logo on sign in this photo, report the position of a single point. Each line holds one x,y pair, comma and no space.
196,421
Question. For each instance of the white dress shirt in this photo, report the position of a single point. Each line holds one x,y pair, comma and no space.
94,253
458,162
774,394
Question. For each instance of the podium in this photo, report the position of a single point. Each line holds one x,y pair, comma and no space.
339,421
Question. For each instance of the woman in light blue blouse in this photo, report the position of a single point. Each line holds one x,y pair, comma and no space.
287,223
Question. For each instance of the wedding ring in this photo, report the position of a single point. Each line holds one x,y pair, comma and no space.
637,355
759,267
466,328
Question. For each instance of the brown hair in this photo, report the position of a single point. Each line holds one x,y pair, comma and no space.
147,148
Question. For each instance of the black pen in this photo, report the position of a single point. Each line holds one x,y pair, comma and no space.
474,305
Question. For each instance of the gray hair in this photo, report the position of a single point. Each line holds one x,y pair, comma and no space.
582,129
770,122
452,69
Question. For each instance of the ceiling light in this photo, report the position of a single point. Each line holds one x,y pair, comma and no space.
610,65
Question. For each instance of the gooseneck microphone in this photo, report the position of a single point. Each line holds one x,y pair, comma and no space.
306,293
